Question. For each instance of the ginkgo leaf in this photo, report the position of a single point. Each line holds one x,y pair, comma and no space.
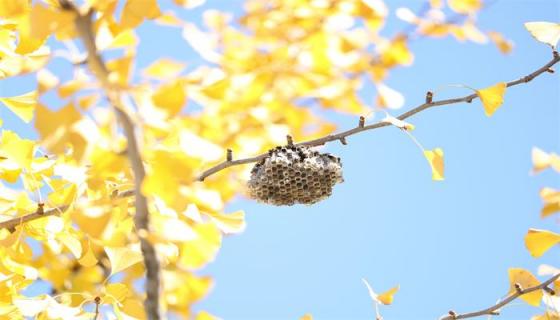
230,223
136,11
435,159
385,298
164,69
539,241
388,97
122,258
545,32
198,252
465,6
115,292
23,105
505,46
204,315
19,150
88,258
526,280
170,98
31,307
542,160
492,97
307,316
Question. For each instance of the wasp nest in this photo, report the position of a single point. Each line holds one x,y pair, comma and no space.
294,174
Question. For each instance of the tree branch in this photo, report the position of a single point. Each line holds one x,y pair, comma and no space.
380,124
494,310
84,27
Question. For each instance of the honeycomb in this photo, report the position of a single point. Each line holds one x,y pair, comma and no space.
294,174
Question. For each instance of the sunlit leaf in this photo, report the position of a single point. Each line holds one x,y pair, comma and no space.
435,158
539,241
136,11
122,258
492,97
526,280
465,6
545,32
23,105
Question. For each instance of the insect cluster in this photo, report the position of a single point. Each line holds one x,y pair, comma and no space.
294,174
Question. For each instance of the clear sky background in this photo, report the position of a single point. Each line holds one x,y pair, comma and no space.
448,244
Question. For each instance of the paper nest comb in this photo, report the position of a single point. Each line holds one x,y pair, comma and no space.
294,174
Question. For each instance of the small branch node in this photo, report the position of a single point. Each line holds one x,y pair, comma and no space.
453,314
12,229
229,155
290,140
362,122
41,208
555,54
429,97
343,141
469,100
550,70
550,291
518,288
97,300
495,313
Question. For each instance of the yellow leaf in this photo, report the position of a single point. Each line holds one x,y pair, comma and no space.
120,70
46,80
13,8
539,241
387,297
526,280
547,316
545,32
122,258
171,98
389,98
492,97
542,160
435,158
64,195
19,150
307,316
136,11
230,223
505,46
71,242
134,309
22,105
44,21
465,6
164,69
115,292
198,252
203,315
88,258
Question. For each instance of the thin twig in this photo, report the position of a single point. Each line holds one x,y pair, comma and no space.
380,124
84,27
494,310
11,224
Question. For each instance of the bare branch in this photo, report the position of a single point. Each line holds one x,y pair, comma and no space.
380,124
495,309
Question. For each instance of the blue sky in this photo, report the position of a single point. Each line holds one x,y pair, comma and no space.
448,244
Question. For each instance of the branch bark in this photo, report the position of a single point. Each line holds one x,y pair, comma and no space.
84,27
494,310
380,124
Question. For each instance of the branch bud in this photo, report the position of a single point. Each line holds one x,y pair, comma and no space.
518,287
362,122
550,291
453,314
229,155
429,96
